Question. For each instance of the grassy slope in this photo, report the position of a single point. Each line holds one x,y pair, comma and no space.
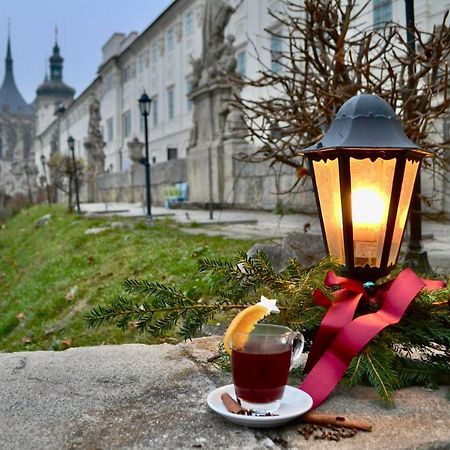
38,267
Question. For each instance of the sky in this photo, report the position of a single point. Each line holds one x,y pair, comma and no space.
83,27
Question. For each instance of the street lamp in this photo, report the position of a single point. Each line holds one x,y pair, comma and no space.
144,106
71,144
43,161
363,171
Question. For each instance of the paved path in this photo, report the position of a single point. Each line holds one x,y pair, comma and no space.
266,225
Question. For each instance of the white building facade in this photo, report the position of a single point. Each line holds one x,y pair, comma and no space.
157,61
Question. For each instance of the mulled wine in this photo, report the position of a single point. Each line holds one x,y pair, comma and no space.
260,362
260,377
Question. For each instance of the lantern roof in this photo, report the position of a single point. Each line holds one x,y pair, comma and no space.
365,121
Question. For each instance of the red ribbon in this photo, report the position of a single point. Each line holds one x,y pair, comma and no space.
340,337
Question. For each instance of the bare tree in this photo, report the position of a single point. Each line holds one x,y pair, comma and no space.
62,175
328,55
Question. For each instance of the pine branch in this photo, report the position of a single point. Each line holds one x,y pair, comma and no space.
381,377
161,295
385,364
355,372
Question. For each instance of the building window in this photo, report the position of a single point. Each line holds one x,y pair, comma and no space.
190,105
446,129
240,57
153,159
109,82
155,111
154,53
110,129
127,73
189,23
171,103
382,13
141,62
275,53
126,123
170,39
141,123
172,153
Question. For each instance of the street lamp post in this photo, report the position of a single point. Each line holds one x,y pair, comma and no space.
71,144
43,161
144,106
363,171
415,257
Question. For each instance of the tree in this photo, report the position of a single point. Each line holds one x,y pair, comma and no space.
62,175
326,57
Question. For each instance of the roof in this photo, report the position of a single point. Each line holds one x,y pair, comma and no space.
56,88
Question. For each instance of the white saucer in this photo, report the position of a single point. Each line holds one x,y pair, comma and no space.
293,404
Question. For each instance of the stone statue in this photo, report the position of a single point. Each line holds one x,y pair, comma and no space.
225,55
216,16
196,64
94,143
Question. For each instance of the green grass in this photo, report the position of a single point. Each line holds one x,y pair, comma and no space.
39,266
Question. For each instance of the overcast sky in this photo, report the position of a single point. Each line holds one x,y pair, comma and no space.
83,27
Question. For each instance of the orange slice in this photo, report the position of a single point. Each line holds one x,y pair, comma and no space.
245,321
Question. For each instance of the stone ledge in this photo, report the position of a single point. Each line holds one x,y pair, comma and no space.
153,397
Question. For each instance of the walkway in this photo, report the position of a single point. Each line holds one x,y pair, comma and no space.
259,225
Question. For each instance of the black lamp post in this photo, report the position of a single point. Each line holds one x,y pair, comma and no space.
71,144
144,106
43,161
363,172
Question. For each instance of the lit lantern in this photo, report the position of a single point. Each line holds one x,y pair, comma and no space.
363,171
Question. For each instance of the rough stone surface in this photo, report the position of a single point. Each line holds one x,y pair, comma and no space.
42,221
126,225
96,230
153,397
306,248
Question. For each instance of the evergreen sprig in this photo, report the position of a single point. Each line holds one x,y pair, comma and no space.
416,351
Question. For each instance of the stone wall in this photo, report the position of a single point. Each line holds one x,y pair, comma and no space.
243,185
129,186
259,186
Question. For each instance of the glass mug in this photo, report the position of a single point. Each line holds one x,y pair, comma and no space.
260,367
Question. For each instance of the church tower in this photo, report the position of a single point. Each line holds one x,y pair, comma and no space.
17,169
53,93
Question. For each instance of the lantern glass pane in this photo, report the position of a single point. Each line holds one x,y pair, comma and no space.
409,178
371,185
328,189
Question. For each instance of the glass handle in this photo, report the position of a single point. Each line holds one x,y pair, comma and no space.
298,341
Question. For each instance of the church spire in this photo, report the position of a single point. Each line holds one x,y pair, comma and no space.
11,101
8,59
56,61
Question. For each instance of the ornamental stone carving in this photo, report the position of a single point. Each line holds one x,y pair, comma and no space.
94,143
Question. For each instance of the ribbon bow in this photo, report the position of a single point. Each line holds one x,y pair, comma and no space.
340,337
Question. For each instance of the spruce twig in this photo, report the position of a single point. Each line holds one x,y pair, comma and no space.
416,351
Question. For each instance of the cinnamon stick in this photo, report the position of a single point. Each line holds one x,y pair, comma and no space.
232,405
335,421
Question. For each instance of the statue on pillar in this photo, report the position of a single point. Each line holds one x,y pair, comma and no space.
94,143
209,151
